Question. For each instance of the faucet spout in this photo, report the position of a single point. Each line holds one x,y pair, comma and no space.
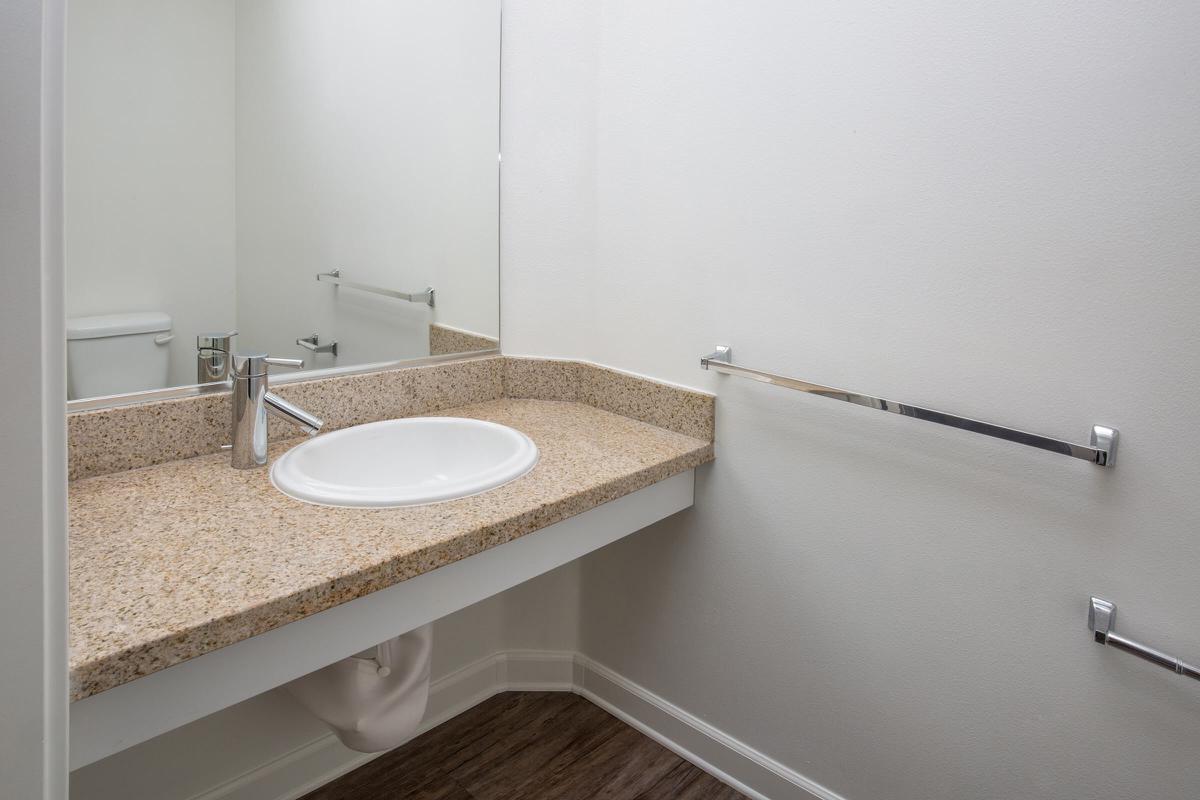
252,403
292,413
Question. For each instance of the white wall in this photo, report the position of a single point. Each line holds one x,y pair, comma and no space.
150,165
987,208
33,561
366,139
548,183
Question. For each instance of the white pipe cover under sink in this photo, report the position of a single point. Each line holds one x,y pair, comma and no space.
375,700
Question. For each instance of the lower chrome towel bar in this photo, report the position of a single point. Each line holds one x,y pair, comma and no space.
1102,615
1102,450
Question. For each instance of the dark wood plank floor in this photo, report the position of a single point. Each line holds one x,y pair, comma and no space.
532,746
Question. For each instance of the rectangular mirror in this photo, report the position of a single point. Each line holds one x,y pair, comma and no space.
320,176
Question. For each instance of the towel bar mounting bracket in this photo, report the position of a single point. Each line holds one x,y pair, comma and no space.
1102,618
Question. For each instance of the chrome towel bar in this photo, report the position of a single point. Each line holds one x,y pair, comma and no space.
1102,615
335,277
1102,450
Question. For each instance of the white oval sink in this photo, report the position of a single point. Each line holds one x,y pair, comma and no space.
404,462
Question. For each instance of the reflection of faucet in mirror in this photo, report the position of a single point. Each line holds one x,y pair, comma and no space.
212,357
252,402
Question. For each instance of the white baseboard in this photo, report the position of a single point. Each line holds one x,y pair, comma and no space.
753,773
730,760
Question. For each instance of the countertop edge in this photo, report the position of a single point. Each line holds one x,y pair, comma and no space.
86,678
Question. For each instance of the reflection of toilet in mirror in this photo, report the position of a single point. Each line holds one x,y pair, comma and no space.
117,353
374,700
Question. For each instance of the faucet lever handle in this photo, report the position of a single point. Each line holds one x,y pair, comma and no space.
215,341
255,365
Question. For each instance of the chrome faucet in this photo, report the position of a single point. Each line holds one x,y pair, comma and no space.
212,356
251,404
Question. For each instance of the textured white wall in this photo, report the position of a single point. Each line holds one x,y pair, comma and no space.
983,208
33,558
548,183
366,140
150,165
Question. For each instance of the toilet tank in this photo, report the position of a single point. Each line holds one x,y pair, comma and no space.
117,353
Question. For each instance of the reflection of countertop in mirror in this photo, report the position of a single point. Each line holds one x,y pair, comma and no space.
171,561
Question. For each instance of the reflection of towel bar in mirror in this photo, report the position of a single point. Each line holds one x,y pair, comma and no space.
313,345
336,278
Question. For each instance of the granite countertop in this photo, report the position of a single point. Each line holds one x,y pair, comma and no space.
172,561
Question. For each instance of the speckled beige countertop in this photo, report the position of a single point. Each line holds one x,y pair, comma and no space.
172,561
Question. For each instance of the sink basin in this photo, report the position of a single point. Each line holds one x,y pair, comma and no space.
404,462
